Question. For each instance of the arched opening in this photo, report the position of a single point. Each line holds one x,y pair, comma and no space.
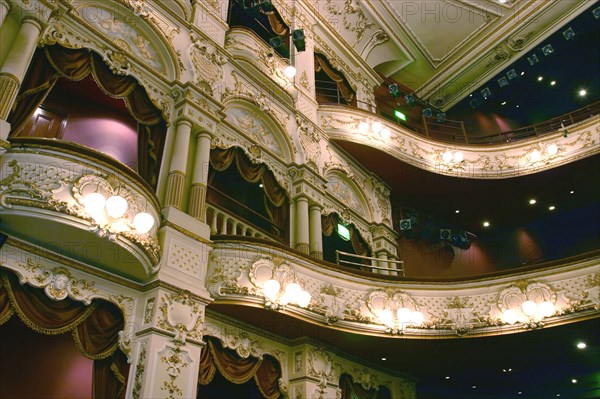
225,374
331,85
247,191
335,239
352,390
262,18
92,354
73,95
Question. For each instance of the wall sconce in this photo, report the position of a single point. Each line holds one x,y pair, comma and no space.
528,306
112,210
396,311
452,157
292,294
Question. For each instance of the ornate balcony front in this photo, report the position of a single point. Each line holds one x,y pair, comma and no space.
81,203
257,274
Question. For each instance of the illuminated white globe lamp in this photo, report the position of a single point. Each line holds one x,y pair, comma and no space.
385,134
535,156
290,71
546,308
447,156
303,299
510,316
458,156
293,290
529,308
363,127
271,289
386,316
404,315
376,127
116,206
417,317
552,149
143,222
94,203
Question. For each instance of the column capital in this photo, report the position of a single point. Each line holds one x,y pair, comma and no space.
204,134
184,121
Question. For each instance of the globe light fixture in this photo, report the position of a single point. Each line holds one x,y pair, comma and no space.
376,127
289,71
385,134
447,157
116,206
94,203
552,149
529,308
458,157
363,127
510,316
143,222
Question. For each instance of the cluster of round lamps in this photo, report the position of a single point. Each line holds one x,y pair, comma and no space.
529,310
292,294
115,207
403,315
376,127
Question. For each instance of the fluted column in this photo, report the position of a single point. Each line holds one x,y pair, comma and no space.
302,231
16,64
197,206
316,233
176,179
4,10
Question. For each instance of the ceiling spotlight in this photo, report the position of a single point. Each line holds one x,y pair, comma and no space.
383,358
532,201
582,93
410,99
457,211
441,117
394,91
533,59
522,73
447,378
486,224
427,112
551,208
581,345
574,381
474,386
503,103
569,34
571,192
540,78
517,106
547,49
474,103
553,83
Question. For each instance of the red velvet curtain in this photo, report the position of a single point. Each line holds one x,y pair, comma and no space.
266,372
321,64
95,329
54,62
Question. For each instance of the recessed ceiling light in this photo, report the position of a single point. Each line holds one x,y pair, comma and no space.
574,381
486,224
447,378
581,345
519,393
551,208
502,1
557,394
532,201
582,92
384,358
474,386
470,95
457,211
503,102
553,83
517,106
522,73
572,192
540,78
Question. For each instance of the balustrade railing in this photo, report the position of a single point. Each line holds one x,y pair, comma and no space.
394,268
222,222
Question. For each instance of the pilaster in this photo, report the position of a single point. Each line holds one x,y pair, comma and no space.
312,374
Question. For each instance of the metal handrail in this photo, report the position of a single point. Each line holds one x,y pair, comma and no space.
397,262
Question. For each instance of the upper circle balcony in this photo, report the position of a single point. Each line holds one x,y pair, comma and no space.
47,193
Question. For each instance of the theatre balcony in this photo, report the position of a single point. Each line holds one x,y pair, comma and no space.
81,203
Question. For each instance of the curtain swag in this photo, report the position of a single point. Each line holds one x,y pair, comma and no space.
352,390
95,329
329,224
321,64
54,62
266,372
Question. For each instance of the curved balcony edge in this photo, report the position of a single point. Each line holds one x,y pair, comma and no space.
44,185
561,293
462,160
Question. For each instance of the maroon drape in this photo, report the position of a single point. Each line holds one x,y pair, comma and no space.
321,64
266,372
276,203
54,62
351,390
95,329
329,224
